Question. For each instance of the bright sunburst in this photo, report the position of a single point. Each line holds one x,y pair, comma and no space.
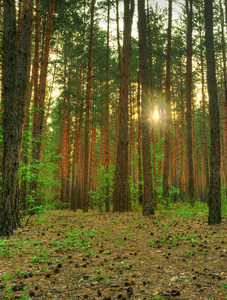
155,115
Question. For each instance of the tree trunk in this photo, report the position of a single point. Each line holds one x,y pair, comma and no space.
140,186
15,72
205,163
152,102
183,142
79,188
38,130
88,104
24,154
189,102
107,141
215,182
120,70
148,204
168,111
225,92
121,188
64,150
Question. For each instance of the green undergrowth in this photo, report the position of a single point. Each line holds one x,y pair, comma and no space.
187,210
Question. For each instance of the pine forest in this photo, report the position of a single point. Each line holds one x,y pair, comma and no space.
113,157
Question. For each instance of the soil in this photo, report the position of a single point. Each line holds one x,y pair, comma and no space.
67,255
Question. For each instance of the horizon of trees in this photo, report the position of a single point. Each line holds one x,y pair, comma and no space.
115,118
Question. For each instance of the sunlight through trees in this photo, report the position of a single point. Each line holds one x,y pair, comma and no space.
112,105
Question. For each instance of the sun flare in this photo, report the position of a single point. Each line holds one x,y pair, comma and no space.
156,115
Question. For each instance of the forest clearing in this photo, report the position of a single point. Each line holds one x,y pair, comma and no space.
70,256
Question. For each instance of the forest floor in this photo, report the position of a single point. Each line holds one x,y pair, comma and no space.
67,255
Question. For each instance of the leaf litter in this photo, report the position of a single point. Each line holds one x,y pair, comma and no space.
68,255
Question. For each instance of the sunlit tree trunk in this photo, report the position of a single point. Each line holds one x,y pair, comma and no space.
87,122
215,182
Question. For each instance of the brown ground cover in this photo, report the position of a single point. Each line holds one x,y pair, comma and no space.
67,255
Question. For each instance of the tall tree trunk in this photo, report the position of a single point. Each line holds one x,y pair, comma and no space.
64,151
148,204
225,91
68,137
15,72
189,102
152,101
79,188
140,186
26,135
168,110
215,182
88,104
121,188
107,141
205,162
75,149
120,70
37,133
183,141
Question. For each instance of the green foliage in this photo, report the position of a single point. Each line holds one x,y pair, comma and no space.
224,286
186,210
10,287
103,179
4,248
134,191
224,201
48,181
172,192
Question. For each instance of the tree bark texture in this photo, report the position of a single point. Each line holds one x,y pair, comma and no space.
15,72
121,189
215,161
148,204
